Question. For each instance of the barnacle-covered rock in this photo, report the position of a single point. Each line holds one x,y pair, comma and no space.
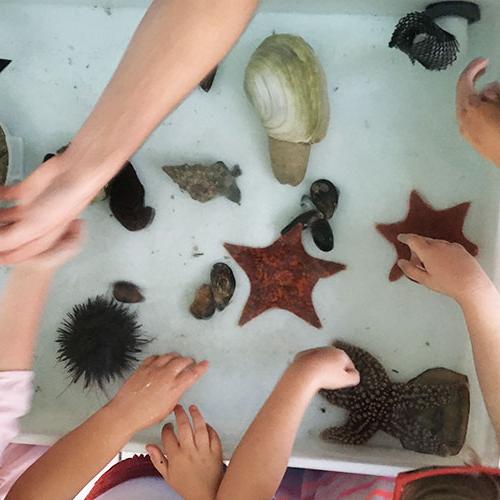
203,183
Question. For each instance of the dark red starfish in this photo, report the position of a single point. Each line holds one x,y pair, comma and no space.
282,276
424,220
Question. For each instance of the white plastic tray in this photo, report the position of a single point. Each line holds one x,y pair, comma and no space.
392,130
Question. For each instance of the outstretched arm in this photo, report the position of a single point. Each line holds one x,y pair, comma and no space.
177,43
20,310
23,299
145,399
449,269
260,460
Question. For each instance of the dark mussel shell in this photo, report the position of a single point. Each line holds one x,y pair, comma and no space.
322,234
4,63
325,196
4,157
207,82
129,293
306,219
126,200
203,306
223,284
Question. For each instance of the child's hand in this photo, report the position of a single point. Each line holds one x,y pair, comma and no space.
478,113
66,247
154,389
191,459
443,267
327,367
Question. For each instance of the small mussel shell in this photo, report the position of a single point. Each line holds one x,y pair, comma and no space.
207,82
129,293
203,306
4,157
223,284
325,196
306,219
322,234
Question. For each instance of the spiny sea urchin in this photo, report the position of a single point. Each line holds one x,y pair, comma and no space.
99,341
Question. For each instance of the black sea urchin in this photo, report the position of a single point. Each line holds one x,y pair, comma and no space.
99,341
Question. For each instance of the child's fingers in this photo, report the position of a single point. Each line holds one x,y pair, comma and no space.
158,459
149,361
184,429
352,378
169,440
215,442
201,438
164,359
467,80
177,365
191,374
413,272
417,244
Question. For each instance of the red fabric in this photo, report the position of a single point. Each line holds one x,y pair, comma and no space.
131,468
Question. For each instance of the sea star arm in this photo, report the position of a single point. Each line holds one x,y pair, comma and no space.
357,430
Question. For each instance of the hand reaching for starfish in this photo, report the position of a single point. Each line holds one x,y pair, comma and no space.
478,113
443,267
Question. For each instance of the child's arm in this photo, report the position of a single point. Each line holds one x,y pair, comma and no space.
22,302
259,462
145,399
20,310
175,46
449,269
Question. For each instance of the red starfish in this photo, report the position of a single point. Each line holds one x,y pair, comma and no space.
424,220
282,275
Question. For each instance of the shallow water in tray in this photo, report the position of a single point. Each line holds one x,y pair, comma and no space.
392,130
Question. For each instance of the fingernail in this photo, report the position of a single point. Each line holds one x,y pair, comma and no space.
402,262
402,237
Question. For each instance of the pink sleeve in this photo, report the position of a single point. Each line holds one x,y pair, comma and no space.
16,390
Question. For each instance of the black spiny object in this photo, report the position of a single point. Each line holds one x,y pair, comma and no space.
418,36
99,341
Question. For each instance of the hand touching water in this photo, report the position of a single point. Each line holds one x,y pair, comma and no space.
443,267
478,113
154,389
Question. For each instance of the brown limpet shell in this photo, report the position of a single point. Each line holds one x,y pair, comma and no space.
203,306
223,284
127,292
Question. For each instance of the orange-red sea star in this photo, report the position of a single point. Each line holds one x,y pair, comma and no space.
282,276
424,220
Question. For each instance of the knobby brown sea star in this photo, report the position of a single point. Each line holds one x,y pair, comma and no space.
428,414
